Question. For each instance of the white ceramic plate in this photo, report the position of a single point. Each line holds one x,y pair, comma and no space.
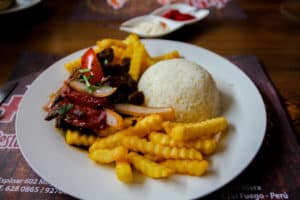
73,172
20,5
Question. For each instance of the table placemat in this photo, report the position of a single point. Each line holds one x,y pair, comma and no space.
100,10
274,173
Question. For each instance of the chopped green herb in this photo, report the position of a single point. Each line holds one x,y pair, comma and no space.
90,89
80,80
89,77
84,70
65,108
99,84
86,80
105,62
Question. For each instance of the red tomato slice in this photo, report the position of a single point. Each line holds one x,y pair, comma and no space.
90,61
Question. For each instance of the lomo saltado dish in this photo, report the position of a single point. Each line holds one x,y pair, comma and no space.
104,108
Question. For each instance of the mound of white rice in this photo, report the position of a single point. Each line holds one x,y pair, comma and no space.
185,86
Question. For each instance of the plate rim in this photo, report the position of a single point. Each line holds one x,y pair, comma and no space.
17,8
241,170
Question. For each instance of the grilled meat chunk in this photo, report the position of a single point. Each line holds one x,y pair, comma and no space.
74,109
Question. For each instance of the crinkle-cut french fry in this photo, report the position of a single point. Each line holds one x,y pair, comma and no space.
118,53
124,171
107,43
140,58
109,130
127,53
145,126
72,65
206,146
138,55
167,56
148,61
154,158
166,140
189,131
108,142
79,139
109,155
141,145
150,123
141,128
190,167
130,121
169,125
76,63
131,39
148,167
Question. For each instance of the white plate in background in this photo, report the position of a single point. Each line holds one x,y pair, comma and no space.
157,15
20,5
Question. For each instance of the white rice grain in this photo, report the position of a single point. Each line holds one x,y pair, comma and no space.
185,86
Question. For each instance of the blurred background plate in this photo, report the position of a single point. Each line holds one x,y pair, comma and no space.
20,5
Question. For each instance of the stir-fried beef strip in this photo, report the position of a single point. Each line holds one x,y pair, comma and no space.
117,76
87,111
86,117
67,94
105,57
136,98
84,99
117,69
125,84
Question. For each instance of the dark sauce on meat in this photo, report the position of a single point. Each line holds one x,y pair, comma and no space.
85,112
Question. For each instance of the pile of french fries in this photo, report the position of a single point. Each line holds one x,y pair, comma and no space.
155,147
153,144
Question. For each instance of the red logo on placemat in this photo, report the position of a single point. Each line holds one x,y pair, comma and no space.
11,108
8,141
